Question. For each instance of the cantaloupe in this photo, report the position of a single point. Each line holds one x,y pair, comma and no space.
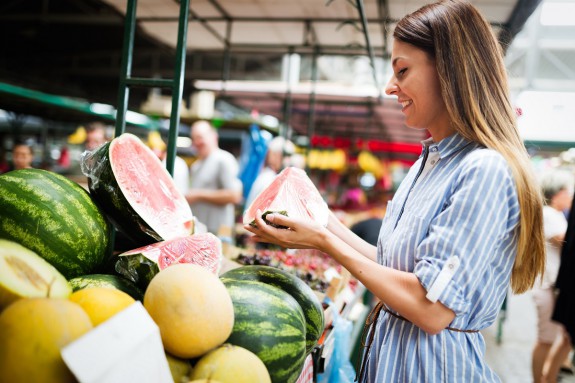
192,308
231,364
101,303
32,332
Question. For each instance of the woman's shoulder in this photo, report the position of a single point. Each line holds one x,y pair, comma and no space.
486,161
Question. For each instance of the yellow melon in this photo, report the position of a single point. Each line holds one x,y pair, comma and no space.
101,303
231,364
192,308
179,368
32,332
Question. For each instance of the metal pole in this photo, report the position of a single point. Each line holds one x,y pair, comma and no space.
124,91
178,84
312,101
361,10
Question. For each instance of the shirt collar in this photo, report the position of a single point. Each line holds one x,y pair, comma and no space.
447,146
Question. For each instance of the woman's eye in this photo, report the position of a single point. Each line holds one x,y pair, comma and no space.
401,72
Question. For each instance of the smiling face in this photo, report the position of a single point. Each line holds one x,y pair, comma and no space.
415,82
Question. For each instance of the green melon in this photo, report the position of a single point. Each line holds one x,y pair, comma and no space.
269,323
24,274
107,280
293,285
56,218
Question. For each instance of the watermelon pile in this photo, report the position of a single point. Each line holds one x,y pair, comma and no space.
55,238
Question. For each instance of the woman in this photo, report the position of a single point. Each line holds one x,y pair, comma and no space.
466,220
557,187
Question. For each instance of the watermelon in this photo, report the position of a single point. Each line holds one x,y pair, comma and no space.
142,264
24,274
56,218
291,193
136,191
298,289
270,323
107,280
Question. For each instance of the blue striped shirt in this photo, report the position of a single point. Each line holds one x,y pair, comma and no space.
458,201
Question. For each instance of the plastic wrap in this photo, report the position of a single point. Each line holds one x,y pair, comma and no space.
291,193
142,264
136,192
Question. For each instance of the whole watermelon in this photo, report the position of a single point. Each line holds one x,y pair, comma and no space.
271,324
291,284
56,218
109,281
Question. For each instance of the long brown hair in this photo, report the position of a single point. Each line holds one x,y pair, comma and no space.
469,62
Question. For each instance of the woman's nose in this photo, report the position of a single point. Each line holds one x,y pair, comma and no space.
391,88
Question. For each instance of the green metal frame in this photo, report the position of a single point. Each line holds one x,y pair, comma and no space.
175,84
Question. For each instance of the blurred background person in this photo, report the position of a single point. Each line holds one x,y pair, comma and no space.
278,149
557,189
22,156
95,135
215,188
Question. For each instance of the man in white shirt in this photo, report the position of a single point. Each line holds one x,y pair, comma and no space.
214,187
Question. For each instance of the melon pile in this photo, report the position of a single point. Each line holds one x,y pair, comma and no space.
59,277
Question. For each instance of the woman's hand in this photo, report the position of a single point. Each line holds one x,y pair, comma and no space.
300,234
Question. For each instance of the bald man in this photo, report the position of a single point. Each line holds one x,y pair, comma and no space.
215,187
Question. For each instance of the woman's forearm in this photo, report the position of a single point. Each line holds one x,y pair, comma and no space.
340,230
399,290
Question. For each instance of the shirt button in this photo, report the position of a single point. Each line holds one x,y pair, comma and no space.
434,149
432,162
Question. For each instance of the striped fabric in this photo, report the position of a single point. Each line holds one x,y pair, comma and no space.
458,202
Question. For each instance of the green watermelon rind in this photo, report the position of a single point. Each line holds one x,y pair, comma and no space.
137,268
270,323
56,218
298,289
107,280
107,193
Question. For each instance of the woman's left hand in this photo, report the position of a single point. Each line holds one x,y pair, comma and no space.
299,234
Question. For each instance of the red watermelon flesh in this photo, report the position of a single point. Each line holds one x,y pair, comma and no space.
291,192
149,188
199,249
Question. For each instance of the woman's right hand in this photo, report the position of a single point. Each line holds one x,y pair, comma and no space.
300,234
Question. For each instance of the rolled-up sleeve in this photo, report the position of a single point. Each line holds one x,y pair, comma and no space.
466,236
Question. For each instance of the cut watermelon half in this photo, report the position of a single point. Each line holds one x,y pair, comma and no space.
142,264
136,192
291,193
